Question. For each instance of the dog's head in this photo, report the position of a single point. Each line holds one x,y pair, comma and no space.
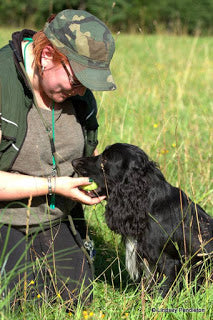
119,163
122,173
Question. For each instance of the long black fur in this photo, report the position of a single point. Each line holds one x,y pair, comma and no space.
168,230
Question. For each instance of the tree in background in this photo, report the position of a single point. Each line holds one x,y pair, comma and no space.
120,15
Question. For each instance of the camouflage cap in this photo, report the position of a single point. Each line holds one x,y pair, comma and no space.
87,43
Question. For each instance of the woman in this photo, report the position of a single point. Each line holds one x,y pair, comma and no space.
47,118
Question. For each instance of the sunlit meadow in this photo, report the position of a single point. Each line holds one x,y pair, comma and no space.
163,104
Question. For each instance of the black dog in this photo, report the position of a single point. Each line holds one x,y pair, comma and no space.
164,231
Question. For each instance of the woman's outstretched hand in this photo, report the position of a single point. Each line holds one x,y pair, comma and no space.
69,187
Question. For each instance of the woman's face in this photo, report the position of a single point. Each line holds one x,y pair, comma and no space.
58,81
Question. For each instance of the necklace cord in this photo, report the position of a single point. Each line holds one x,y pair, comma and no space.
51,133
52,200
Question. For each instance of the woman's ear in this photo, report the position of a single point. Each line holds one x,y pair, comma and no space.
47,57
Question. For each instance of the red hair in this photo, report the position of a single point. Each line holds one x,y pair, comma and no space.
40,42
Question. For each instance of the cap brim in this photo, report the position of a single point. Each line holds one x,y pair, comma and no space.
94,79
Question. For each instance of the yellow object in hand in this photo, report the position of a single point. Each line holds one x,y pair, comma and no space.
90,187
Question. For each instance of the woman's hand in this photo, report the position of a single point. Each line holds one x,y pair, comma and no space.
18,186
69,187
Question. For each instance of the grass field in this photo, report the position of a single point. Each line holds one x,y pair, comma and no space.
163,104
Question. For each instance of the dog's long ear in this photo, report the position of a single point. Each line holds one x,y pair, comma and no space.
126,210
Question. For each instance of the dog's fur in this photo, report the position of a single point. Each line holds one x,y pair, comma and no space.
163,229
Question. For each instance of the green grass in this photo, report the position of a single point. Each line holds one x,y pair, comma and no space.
163,104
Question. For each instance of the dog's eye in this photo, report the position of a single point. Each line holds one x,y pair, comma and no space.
104,161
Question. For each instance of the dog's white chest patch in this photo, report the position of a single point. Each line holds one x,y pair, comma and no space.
131,258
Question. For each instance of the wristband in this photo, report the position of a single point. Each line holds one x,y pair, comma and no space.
49,181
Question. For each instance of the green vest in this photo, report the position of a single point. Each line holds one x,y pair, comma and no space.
15,101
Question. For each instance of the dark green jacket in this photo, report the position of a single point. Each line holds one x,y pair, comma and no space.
16,99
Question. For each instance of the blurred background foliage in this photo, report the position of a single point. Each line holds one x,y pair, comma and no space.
146,16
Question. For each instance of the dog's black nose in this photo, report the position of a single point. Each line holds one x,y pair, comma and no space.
75,163
78,166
